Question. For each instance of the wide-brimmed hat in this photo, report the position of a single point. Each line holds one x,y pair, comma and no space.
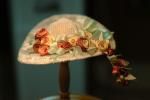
66,37
71,37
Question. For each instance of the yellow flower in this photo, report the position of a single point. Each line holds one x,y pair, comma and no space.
93,41
72,40
88,35
102,45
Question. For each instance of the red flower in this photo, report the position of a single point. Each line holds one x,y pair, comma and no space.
64,44
110,52
83,43
115,70
41,33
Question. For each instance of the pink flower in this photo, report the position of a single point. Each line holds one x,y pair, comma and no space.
122,62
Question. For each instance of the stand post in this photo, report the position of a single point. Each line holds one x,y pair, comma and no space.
64,81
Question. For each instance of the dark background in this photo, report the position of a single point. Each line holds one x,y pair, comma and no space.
7,69
129,19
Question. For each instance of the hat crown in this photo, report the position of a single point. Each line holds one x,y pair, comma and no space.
63,26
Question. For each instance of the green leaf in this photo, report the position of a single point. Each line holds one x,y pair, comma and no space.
92,50
96,34
107,35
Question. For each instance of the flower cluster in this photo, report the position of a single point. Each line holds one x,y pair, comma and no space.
41,44
119,67
84,43
74,41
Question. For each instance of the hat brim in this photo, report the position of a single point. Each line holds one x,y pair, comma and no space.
27,56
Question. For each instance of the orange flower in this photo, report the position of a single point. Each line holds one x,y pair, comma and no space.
41,33
83,43
64,44
36,46
45,40
42,43
41,49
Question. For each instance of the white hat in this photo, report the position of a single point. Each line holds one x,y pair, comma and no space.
65,38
